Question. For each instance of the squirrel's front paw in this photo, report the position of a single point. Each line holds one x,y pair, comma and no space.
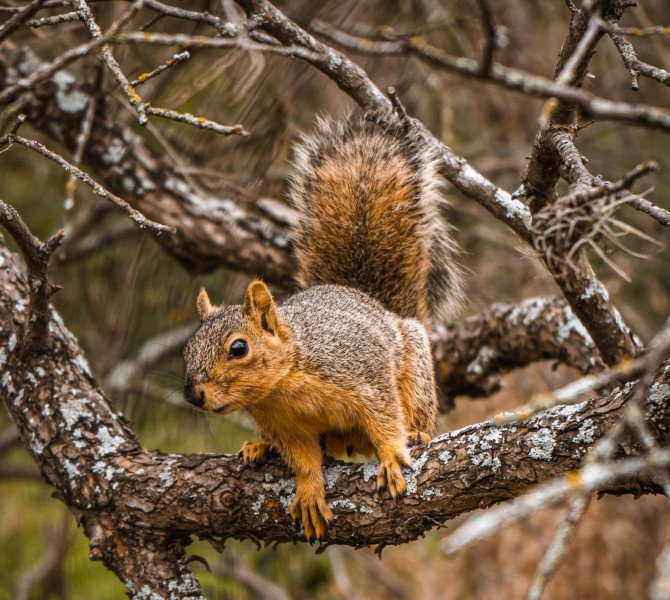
314,513
256,453
390,476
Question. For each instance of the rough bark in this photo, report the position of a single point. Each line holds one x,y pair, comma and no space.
471,356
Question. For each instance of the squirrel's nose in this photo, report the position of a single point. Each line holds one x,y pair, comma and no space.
194,394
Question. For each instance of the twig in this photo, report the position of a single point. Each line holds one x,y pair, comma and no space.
589,479
54,20
509,78
558,548
86,16
636,31
199,122
135,215
635,65
570,72
643,205
144,77
20,18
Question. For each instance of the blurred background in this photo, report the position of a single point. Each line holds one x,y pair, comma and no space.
124,295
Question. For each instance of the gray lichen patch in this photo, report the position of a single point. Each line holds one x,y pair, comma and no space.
8,384
572,325
257,504
514,208
413,471
109,444
285,490
348,504
430,492
369,470
527,311
586,432
186,586
68,98
332,473
445,457
73,409
659,396
542,444
71,469
115,152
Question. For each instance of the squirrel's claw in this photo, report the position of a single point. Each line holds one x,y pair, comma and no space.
314,514
389,476
417,438
256,453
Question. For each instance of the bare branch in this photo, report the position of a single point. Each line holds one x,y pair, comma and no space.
86,16
175,60
589,479
557,550
135,215
19,18
635,65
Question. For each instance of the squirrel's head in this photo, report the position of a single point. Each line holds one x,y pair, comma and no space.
238,354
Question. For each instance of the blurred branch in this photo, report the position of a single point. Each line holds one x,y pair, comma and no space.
591,478
129,372
558,548
472,356
211,232
20,17
48,572
9,438
135,215
258,587
506,77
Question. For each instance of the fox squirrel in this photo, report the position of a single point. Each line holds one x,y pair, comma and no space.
348,358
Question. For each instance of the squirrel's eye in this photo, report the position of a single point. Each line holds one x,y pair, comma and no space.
238,349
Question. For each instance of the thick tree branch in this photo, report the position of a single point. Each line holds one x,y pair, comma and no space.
137,505
471,356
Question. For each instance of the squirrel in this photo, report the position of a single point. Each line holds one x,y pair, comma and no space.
346,362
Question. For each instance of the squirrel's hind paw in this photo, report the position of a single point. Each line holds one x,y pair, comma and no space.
256,453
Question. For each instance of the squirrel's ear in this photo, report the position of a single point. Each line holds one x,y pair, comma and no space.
205,307
260,307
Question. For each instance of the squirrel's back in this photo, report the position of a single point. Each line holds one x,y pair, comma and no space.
369,201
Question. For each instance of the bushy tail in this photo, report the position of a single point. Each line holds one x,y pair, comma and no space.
369,200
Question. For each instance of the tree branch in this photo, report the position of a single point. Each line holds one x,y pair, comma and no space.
134,502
